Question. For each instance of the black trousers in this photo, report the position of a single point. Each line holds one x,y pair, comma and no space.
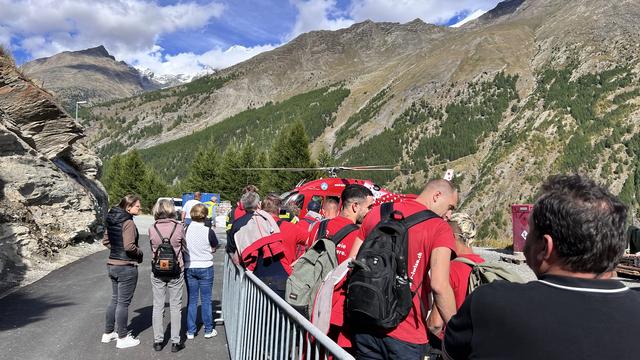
373,347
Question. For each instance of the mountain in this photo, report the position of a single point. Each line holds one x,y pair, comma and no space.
169,80
529,88
50,197
92,75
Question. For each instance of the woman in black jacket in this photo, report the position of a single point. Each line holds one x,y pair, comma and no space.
121,238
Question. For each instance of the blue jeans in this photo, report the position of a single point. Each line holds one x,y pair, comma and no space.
199,284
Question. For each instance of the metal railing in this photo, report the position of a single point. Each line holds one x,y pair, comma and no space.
261,325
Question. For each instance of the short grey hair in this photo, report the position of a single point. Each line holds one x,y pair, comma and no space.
250,201
164,209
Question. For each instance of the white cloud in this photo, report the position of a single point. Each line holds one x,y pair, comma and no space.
317,15
190,63
474,15
432,11
123,26
5,37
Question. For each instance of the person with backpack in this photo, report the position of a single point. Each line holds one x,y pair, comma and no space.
468,271
201,244
256,243
121,237
239,211
357,201
402,243
574,310
464,231
166,237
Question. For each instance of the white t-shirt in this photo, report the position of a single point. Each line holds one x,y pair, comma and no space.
187,207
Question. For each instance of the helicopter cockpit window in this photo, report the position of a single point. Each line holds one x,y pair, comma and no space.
318,198
297,200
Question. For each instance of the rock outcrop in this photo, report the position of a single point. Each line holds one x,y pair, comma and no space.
50,197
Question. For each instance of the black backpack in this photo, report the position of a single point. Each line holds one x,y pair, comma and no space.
379,290
165,262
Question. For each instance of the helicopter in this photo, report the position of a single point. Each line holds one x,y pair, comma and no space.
331,187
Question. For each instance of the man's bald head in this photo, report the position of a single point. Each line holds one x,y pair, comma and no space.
442,185
440,196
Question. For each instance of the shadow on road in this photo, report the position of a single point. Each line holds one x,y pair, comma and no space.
142,320
18,310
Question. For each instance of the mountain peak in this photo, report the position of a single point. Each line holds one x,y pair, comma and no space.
98,51
503,8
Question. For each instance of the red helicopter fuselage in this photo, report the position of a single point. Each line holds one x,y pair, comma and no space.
321,189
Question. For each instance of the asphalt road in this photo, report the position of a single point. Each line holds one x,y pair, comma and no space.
61,316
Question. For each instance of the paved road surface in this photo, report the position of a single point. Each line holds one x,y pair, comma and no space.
61,316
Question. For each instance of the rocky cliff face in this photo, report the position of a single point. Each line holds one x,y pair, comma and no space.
91,74
50,197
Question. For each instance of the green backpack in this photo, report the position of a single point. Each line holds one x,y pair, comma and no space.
311,269
488,272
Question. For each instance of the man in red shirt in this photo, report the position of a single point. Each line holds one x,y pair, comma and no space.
357,200
330,207
430,245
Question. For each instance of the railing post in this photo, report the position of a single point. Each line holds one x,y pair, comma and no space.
240,316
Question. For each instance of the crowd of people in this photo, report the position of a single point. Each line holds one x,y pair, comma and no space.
181,253
575,309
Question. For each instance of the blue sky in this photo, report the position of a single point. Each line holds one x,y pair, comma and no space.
171,37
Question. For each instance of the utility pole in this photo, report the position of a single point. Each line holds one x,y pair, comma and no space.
78,103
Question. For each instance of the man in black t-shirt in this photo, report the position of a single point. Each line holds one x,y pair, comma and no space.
574,310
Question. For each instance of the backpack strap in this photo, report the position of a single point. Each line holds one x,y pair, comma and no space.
342,233
162,238
419,217
322,229
385,210
464,260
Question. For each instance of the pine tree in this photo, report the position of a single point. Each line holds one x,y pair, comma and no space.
110,178
128,174
133,174
152,188
230,179
204,174
324,160
290,149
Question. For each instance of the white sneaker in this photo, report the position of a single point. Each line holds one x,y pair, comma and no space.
190,336
211,334
107,338
127,342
